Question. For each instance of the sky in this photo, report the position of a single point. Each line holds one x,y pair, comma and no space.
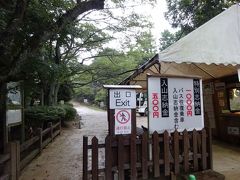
157,17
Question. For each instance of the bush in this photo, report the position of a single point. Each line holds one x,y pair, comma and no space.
70,112
68,104
38,115
45,113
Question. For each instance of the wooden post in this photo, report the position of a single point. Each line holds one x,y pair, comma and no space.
15,160
60,127
94,158
176,151
133,156
204,157
111,122
194,142
166,154
18,155
186,151
134,128
3,126
85,158
209,148
120,158
51,130
39,132
22,109
108,158
156,152
145,155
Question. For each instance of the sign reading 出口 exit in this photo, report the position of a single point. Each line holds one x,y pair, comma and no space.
122,99
122,109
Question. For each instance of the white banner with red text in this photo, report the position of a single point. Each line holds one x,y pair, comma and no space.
175,103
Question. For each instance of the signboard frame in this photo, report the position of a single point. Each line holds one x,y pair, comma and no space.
174,76
111,112
16,107
118,102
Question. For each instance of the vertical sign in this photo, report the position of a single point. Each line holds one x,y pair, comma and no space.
123,121
197,97
164,97
121,102
175,103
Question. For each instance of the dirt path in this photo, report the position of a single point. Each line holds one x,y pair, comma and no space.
62,159
226,160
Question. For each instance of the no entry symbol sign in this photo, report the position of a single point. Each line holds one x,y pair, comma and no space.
123,121
123,116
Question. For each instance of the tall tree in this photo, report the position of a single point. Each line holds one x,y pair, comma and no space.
25,29
28,24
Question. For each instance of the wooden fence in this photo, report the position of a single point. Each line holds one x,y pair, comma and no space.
19,156
146,156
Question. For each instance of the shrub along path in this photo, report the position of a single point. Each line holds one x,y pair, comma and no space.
62,159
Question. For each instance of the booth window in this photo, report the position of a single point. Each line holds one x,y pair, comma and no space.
234,99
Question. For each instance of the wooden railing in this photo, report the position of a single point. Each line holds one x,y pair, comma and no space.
20,155
145,157
4,166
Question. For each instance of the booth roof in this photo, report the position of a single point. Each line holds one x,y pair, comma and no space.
210,51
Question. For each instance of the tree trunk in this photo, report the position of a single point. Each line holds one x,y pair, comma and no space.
42,97
51,93
56,93
3,108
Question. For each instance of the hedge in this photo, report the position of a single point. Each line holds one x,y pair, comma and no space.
45,113
70,112
37,115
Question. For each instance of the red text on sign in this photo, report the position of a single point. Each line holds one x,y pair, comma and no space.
189,102
155,107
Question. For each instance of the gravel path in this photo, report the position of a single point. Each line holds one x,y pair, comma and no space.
62,159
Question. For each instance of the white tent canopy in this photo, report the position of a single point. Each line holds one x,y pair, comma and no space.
211,51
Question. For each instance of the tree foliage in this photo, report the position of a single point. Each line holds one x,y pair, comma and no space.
45,42
168,38
190,14
27,25
113,66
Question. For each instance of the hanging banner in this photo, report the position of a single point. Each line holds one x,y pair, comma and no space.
123,121
175,103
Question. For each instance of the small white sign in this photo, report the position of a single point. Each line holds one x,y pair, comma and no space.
233,130
14,116
122,99
123,121
14,94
